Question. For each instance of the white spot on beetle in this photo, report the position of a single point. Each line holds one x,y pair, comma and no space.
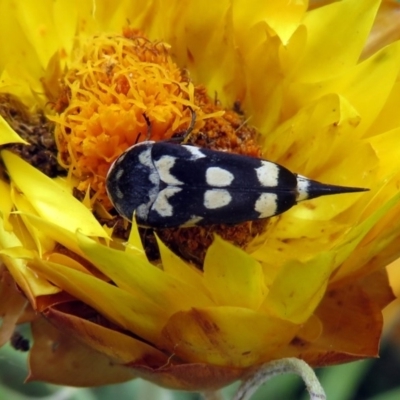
161,204
216,176
143,210
266,205
302,188
268,174
195,152
216,198
121,158
146,159
119,173
164,165
144,156
118,192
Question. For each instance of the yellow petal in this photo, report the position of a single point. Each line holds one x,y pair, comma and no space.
186,273
299,288
236,279
38,21
62,259
142,279
53,230
388,118
134,244
329,28
29,282
7,134
17,52
220,72
49,199
282,17
233,336
295,142
44,242
17,81
297,239
355,263
387,151
6,204
134,313
65,23
358,85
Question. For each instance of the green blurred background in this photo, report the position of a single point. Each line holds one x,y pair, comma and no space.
363,380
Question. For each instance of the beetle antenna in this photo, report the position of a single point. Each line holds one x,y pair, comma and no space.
147,119
183,135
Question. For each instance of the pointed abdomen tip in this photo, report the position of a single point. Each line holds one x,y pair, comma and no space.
309,189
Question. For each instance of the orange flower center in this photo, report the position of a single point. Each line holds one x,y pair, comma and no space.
116,83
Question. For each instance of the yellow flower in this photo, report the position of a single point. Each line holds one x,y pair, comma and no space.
311,285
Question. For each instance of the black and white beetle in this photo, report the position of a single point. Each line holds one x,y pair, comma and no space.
169,185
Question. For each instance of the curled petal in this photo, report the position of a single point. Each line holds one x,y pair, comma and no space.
12,306
229,336
59,358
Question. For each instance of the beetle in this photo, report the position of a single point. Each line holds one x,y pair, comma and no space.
165,184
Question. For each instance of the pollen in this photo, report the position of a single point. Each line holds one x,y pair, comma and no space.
36,130
119,90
